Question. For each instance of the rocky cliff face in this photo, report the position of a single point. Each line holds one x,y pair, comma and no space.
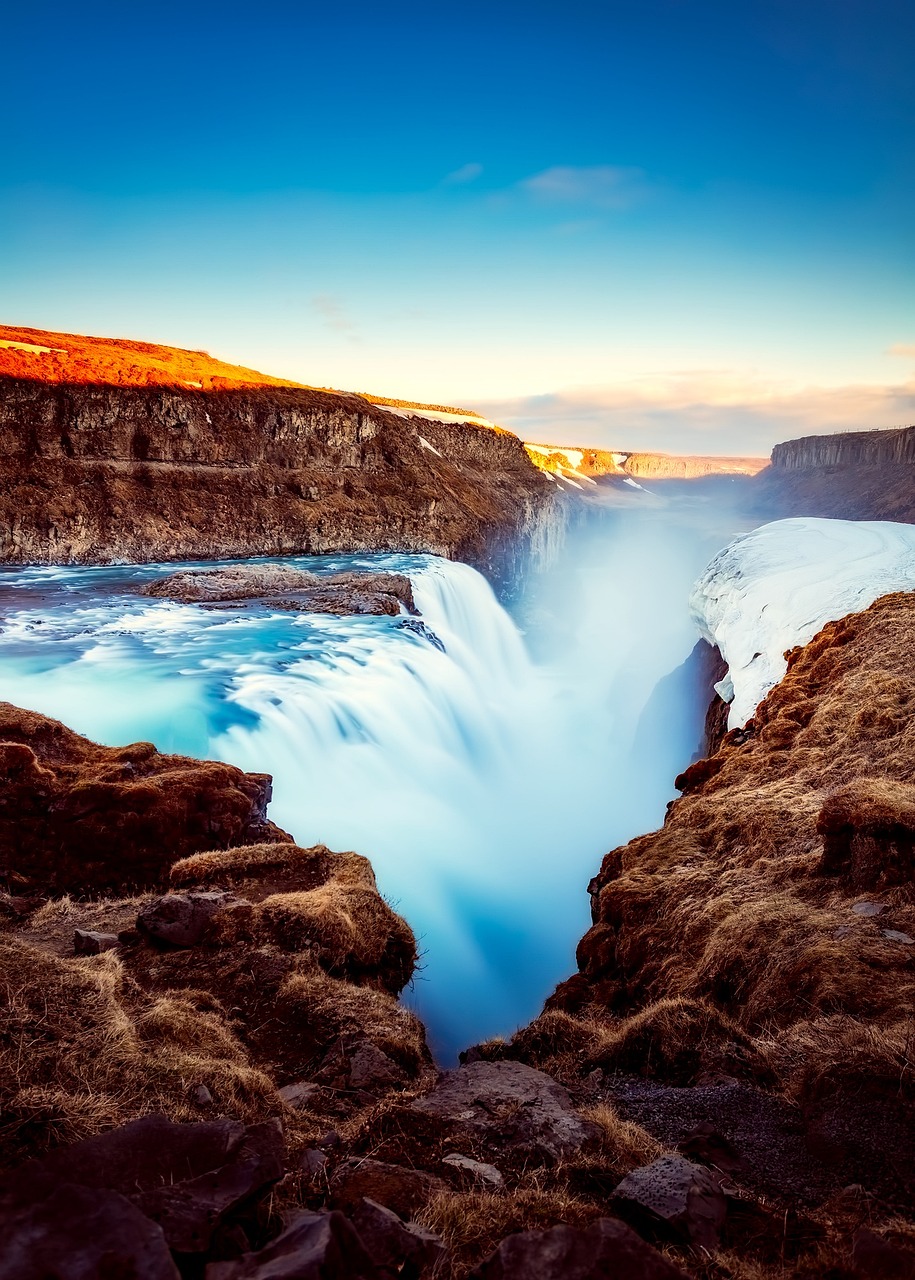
846,449
96,473
596,464
863,475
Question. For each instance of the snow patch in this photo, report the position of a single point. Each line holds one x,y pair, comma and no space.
431,415
431,447
776,587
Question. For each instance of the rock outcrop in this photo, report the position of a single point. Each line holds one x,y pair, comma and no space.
78,817
293,590
862,475
99,473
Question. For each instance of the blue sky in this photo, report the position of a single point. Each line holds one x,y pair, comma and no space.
673,224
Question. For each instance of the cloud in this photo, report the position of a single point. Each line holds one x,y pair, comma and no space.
466,173
334,315
904,349
705,411
602,186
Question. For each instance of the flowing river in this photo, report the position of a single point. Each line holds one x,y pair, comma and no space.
484,776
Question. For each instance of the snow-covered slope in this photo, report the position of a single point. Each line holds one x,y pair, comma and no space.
776,587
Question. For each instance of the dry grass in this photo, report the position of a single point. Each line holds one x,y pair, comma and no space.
727,908
81,1050
299,868
329,1010
472,1223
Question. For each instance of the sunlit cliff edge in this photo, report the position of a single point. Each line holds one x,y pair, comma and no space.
114,450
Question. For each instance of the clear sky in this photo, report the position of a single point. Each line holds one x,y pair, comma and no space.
680,224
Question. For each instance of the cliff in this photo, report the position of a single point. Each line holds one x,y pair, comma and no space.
597,464
96,473
863,475
746,988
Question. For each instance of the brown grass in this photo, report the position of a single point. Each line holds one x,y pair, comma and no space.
728,909
81,1049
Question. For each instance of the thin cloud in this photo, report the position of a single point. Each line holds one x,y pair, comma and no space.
466,173
714,412
334,315
904,349
602,186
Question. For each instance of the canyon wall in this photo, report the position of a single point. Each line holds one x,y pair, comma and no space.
595,464
100,473
846,449
861,475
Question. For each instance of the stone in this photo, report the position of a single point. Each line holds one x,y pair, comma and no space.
84,819
403,1247
895,935
874,1258
181,919
202,1096
486,1173
710,1147
189,1212
82,1233
605,1250
299,1095
87,942
673,1196
315,1246
138,1156
868,908
511,1107
371,1068
313,1163
398,1188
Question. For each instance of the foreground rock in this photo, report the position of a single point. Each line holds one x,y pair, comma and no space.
674,1197
607,1250
511,1107
79,1233
80,818
317,1246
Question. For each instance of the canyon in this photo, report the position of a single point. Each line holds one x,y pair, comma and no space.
210,1048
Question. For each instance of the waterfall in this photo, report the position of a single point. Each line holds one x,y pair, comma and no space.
484,771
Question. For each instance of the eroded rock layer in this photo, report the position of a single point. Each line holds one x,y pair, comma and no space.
861,475
98,473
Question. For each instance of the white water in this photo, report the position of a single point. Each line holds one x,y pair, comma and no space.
484,783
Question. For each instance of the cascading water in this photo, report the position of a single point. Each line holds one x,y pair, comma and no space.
483,785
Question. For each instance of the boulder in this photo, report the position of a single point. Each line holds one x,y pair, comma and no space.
316,1246
190,1212
402,1247
510,1107
190,1180
181,919
87,942
874,1258
673,1197
403,1190
313,1163
136,1157
479,1172
82,1233
605,1250
299,1095
371,1068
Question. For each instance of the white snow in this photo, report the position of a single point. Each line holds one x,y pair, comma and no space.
619,458
777,586
31,346
431,447
634,483
431,415
567,480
